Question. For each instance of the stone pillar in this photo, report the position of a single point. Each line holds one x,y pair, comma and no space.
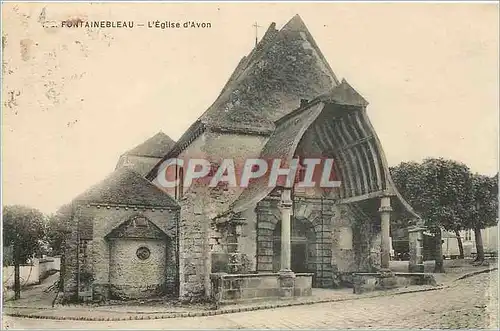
234,263
385,223
286,275
286,245
233,245
265,229
416,243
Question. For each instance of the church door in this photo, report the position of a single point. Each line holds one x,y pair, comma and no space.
302,241
299,256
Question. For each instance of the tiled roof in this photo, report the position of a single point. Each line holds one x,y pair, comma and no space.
156,146
281,145
345,95
140,164
285,67
125,186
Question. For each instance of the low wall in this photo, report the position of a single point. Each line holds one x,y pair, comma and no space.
233,288
48,264
29,274
367,282
33,273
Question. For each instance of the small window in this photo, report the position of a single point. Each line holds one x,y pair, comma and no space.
141,222
143,253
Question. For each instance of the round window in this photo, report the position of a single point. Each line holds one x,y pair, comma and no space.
143,253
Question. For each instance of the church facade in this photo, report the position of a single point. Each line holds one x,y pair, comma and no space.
133,238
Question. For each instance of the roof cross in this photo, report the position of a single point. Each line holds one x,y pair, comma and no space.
256,26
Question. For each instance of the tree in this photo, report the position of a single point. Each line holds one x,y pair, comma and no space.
58,227
24,230
58,230
439,190
483,212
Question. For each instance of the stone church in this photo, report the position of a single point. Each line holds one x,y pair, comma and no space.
131,238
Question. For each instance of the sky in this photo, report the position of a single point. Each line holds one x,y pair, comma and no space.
75,99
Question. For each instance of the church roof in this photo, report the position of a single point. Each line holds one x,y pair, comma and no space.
281,145
263,96
344,95
125,186
156,146
285,67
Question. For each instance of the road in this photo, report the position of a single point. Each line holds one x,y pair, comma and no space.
469,303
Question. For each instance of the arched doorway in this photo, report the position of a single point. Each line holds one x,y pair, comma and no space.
303,241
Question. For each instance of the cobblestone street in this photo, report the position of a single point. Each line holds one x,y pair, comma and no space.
468,303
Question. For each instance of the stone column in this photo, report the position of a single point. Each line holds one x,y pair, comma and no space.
286,275
264,237
234,263
385,222
286,245
416,242
233,245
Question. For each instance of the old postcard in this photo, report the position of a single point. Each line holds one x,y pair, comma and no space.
250,165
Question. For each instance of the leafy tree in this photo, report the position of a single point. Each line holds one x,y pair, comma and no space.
440,191
58,227
58,230
24,230
408,178
483,212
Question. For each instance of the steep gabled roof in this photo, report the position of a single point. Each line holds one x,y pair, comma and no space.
125,186
285,67
156,146
344,95
263,96
281,145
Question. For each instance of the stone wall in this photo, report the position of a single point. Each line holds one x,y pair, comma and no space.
267,217
134,278
47,265
334,256
343,258
91,250
311,211
194,256
367,282
248,238
200,204
248,287
29,274
69,269
364,254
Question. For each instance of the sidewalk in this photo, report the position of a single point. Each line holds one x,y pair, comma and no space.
41,308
